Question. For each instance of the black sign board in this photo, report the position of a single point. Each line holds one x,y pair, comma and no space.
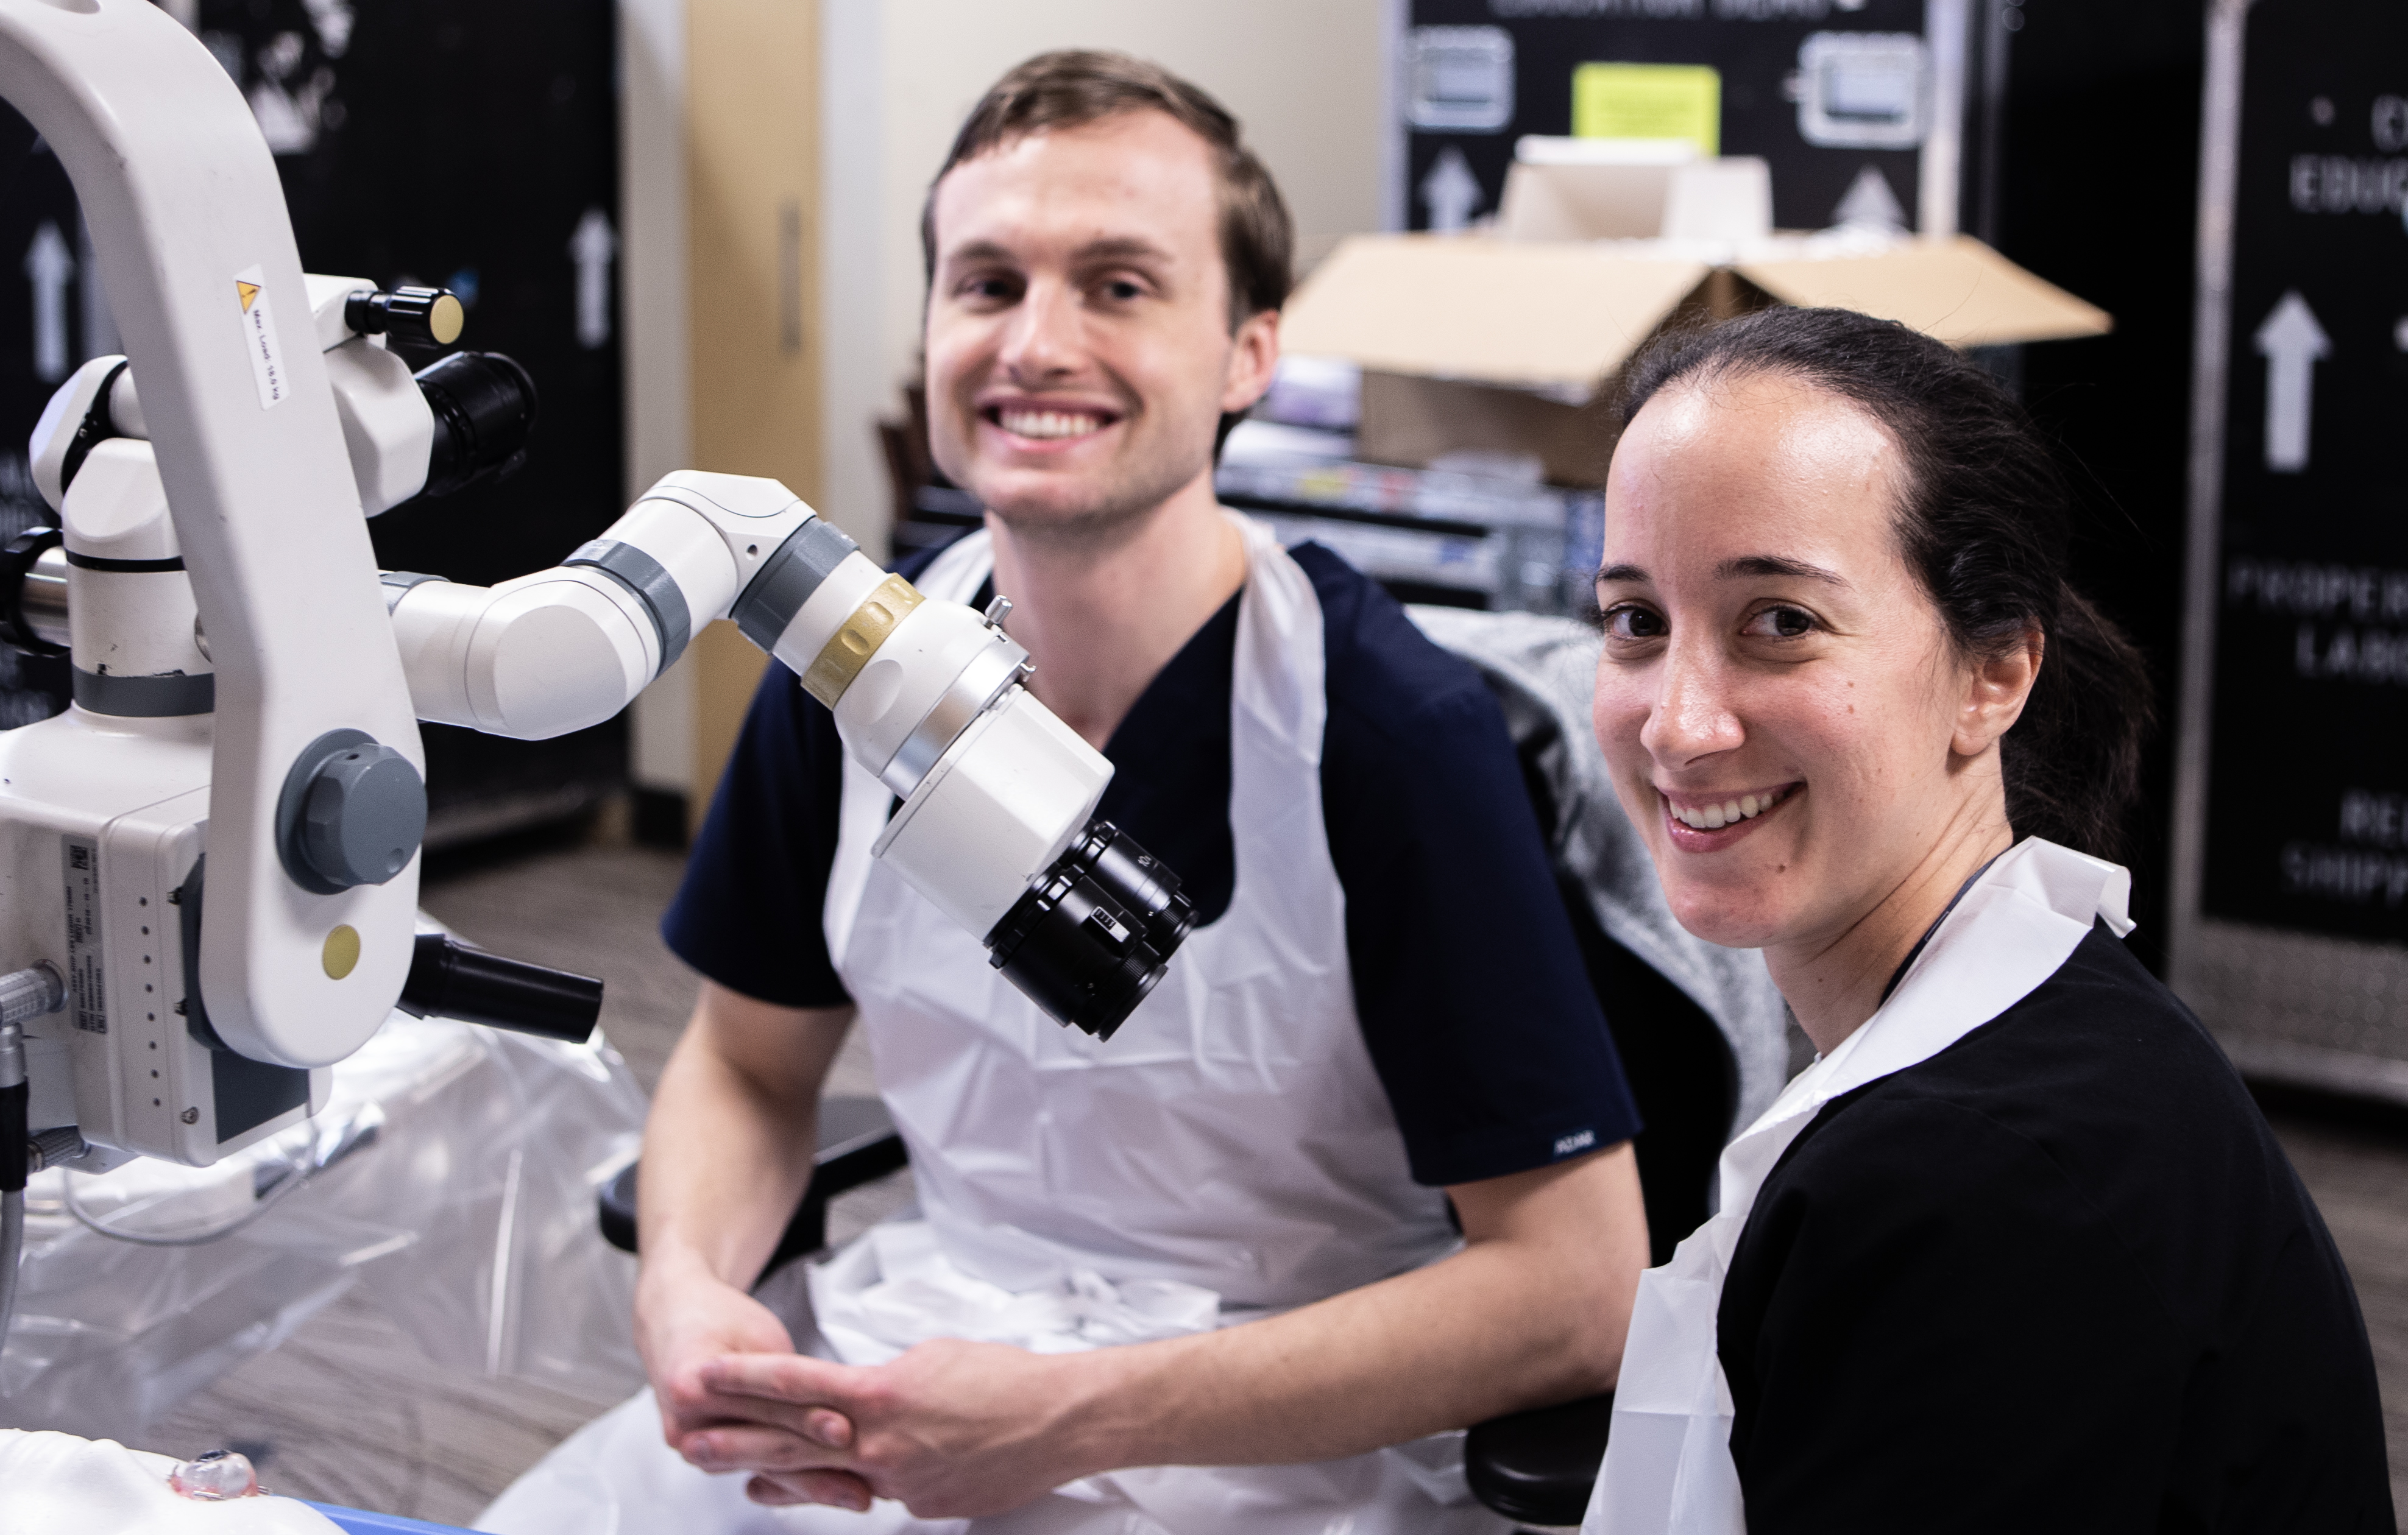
2307,779
470,145
1812,86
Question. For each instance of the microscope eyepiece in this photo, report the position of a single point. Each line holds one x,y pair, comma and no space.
485,409
1090,939
428,316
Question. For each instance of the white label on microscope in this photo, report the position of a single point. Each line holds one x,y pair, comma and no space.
259,337
85,996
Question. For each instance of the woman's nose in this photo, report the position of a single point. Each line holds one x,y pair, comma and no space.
1692,717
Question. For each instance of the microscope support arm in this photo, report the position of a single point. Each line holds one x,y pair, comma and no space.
995,825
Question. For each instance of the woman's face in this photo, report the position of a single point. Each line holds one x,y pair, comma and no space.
1780,707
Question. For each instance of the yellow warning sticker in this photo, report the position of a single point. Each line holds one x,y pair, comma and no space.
1649,101
259,338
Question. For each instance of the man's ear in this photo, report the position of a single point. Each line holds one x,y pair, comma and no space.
1254,356
1996,690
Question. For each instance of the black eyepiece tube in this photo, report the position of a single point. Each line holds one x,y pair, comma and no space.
484,410
1091,938
448,979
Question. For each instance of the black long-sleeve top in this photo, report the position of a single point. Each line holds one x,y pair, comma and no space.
2058,1278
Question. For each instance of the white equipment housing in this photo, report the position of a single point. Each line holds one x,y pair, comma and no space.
216,846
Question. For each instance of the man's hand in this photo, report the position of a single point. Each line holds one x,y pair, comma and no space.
951,1429
684,1322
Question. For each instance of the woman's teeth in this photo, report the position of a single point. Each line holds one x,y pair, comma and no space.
1047,423
1713,817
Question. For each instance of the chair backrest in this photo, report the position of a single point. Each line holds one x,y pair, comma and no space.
1701,1029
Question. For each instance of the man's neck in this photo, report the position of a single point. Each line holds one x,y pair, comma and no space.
1101,617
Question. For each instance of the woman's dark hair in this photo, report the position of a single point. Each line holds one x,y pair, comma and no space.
1984,518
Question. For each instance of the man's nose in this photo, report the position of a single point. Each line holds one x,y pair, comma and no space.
1041,343
1693,717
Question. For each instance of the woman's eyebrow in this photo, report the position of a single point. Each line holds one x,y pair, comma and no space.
1773,565
1622,573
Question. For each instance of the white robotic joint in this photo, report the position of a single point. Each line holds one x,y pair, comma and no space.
650,584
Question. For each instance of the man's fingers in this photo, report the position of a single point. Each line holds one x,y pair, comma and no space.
796,1378
838,1489
753,1447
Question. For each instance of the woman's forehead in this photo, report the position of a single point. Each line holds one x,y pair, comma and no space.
1758,463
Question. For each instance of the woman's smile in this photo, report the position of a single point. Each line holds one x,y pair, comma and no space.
1708,822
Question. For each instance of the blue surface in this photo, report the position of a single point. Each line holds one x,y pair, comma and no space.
358,1522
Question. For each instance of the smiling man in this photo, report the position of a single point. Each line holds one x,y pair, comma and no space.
1204,1277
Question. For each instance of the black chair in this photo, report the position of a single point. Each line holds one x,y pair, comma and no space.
857,1144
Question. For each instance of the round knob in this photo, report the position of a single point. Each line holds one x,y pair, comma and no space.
426,315
353,812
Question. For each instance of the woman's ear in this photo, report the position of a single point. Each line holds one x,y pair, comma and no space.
1995,694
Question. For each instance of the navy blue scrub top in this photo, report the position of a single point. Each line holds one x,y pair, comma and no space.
1473,998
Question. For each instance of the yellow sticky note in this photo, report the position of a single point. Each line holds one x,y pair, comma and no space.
1649,101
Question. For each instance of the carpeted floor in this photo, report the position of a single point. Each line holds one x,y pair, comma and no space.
348,1411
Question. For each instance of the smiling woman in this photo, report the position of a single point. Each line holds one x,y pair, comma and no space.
2017,1251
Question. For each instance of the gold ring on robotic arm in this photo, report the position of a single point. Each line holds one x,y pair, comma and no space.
857,639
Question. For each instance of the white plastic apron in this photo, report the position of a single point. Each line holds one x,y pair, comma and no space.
1667,1465
1229,1152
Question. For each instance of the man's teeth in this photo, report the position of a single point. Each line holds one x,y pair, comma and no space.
1048,423
1713,817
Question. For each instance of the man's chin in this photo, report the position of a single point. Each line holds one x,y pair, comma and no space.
1058,508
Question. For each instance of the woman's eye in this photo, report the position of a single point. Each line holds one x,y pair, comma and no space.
1780,623
1634,624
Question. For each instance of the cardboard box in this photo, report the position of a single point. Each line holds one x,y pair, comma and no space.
1475,343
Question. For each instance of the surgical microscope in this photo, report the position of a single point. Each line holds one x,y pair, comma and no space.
210,862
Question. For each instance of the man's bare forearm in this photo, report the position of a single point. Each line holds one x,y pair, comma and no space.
728,1145
1532,1310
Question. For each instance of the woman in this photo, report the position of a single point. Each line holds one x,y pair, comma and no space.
2017,1253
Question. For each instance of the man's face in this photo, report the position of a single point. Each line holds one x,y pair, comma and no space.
1078,349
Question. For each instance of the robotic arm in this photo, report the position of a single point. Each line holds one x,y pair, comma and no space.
997,822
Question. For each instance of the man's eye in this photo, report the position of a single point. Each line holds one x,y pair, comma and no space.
1780,623
992,290
1634,624
1122,291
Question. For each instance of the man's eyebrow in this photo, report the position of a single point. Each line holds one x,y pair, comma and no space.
1122,248
1773,565
978,251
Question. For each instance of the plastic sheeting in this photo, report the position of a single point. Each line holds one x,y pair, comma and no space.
453,1173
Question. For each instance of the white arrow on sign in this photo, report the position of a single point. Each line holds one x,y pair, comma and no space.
49,269
2292,343
592,249
1451,192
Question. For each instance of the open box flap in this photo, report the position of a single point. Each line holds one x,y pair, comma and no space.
1959,291
1558,317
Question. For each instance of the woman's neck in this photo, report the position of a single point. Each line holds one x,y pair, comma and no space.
1834,984
1099,618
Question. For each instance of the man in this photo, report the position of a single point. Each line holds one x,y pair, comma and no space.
1382,1010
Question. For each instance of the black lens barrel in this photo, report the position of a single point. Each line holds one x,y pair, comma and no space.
485,409
448,979
1090,939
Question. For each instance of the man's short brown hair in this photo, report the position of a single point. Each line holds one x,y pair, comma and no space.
1073,87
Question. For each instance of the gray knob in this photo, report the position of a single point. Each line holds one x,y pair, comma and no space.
353,812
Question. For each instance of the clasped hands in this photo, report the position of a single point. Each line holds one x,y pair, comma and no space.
951,1428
